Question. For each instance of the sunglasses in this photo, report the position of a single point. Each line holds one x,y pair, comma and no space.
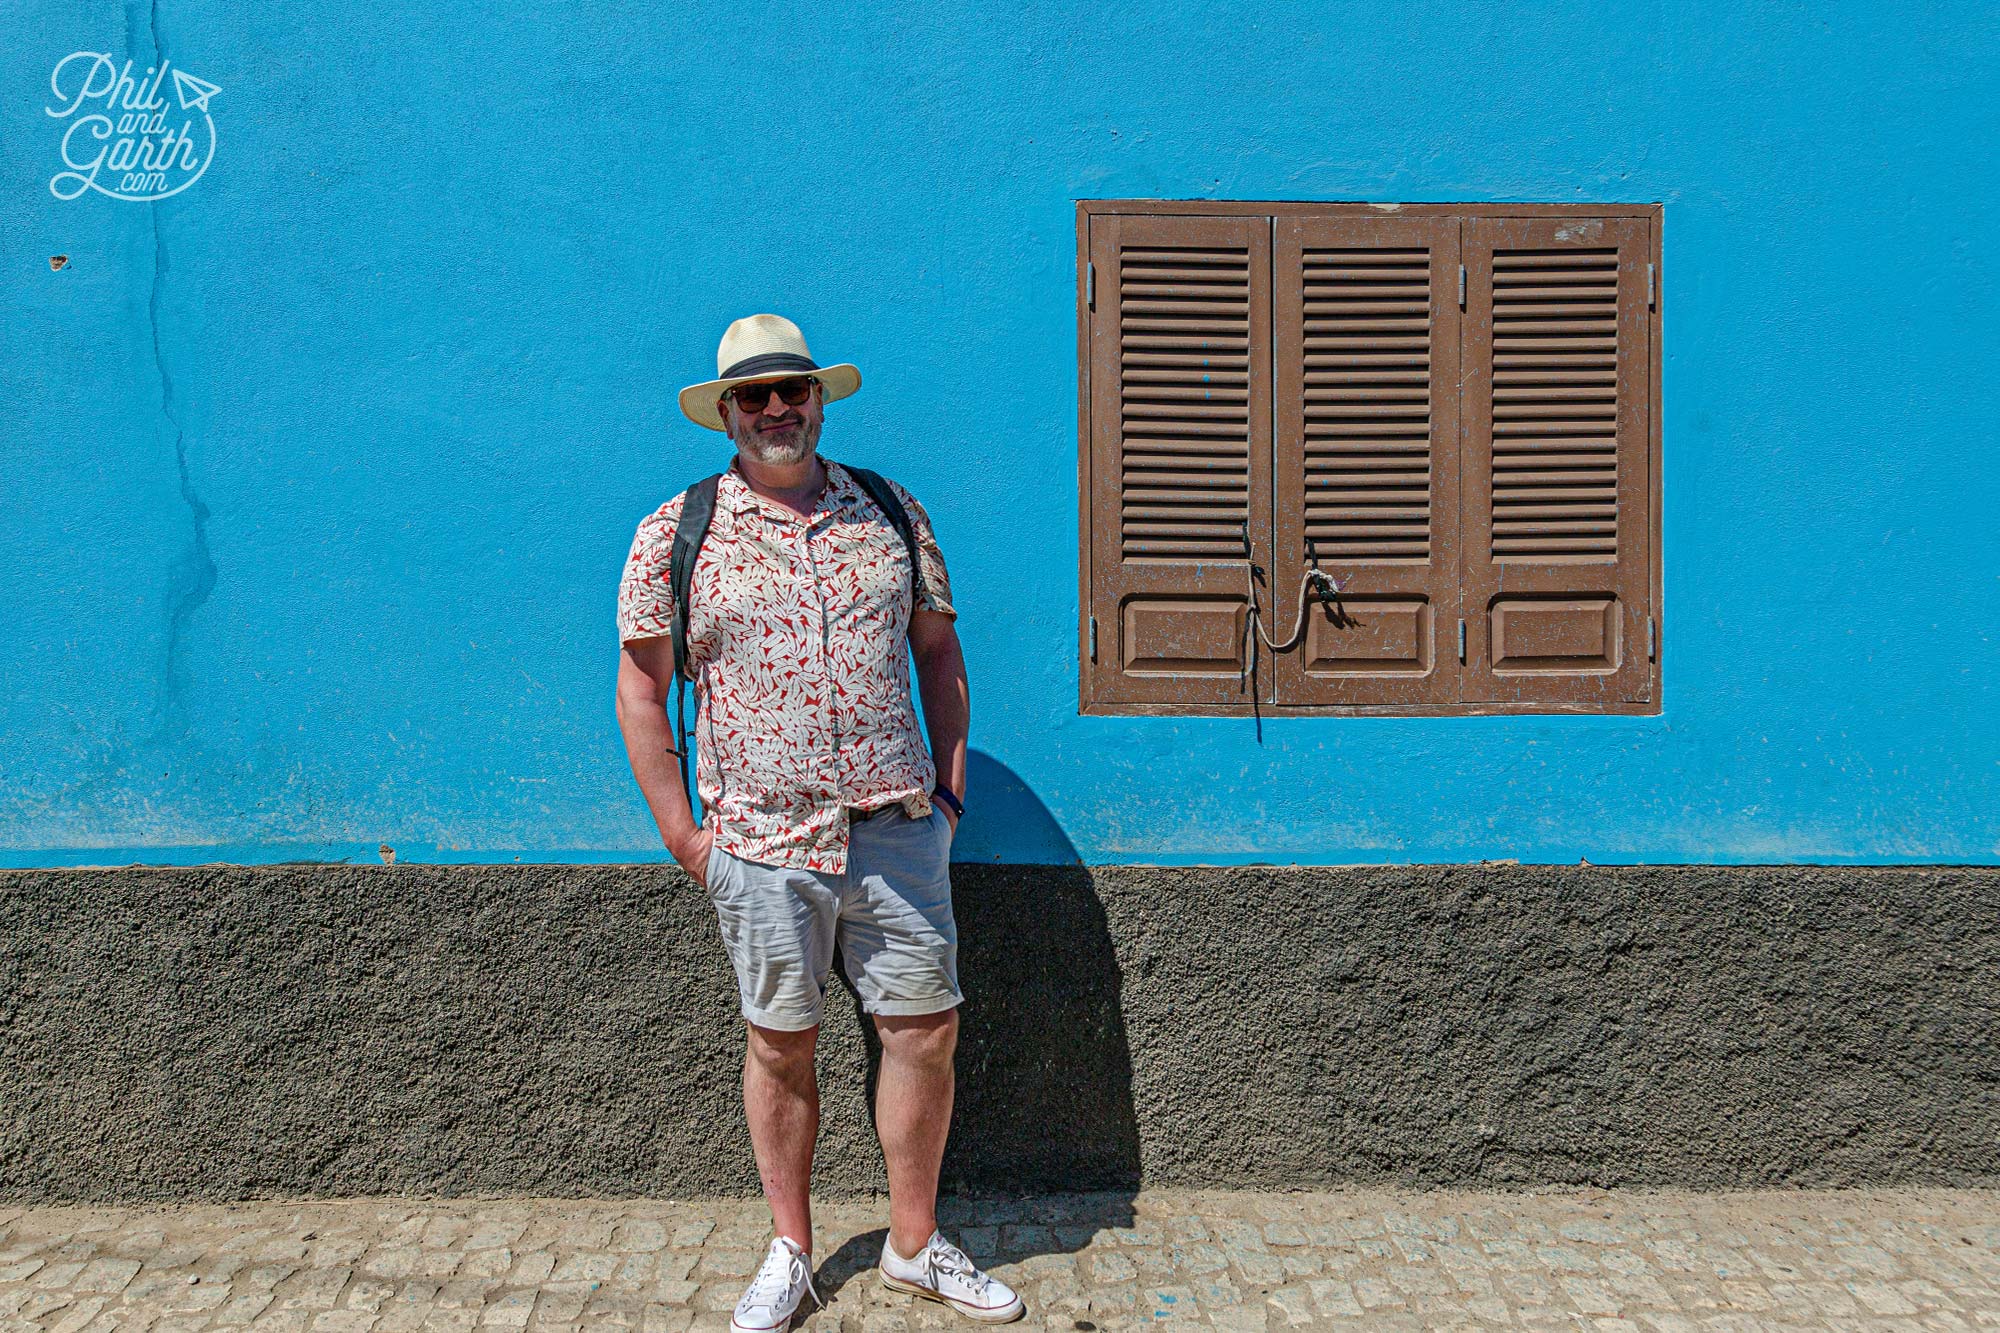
753,397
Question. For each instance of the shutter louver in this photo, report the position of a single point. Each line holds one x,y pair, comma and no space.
1184,400
1366,470
1557,495
1555,402
1179,453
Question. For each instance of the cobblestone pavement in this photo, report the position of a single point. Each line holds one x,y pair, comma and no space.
1637,1262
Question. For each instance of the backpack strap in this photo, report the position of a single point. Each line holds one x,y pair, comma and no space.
697,510
879,491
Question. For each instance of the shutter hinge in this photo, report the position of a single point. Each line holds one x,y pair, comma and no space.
1461,286
1461,640
1093,638
1652,648
1090,285
1649,287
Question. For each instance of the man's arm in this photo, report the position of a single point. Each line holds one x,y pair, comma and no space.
645,674
947,696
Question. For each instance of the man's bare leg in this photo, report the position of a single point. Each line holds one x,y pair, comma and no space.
913,1116
781,1101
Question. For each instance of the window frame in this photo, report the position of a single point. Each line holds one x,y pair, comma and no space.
1285,600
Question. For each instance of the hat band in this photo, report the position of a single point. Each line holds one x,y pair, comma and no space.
768,362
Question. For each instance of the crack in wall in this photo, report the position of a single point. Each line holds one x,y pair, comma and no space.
192,575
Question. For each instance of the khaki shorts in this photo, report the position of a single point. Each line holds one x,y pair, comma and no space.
890,913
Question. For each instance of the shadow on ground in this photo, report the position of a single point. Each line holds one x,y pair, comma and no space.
1044,1100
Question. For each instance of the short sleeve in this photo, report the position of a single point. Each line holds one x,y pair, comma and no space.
645,593
937,582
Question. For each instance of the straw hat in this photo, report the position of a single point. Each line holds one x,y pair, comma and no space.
761,347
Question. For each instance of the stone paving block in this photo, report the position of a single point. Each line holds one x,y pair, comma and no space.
271,1321
509,1310
1591,1297
397,1262
1413,1281
343,1321
1334,1299
445,1233
585,1267
241,1310
674,1292
586,1233
639,1235
316,1289
77,1316
1565,1258
665,1319
437,1263
184,1298
1242,1318
1259,1268
494,1234
1171,1305
673,1267
1112,1268
59,1275
1375,1293
533,1269
1881,1298
691,1234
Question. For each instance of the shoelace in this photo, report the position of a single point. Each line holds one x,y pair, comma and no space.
948,1258
774,1280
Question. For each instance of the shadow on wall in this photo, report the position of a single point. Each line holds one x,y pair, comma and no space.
1044,1097
1003,814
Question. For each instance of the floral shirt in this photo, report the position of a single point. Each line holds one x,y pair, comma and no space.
798,639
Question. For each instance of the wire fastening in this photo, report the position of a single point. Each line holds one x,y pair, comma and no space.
1316,582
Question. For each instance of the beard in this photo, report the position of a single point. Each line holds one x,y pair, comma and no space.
784,446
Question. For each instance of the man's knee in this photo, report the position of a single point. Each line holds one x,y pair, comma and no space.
919,1038
781,1053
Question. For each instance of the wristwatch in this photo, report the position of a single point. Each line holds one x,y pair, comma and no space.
940,793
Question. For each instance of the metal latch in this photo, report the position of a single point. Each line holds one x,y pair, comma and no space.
1649,287
1090,285
1093,638
1461,639
1461,286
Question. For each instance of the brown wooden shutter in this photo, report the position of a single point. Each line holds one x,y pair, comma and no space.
1367,443
1180,450
1556,483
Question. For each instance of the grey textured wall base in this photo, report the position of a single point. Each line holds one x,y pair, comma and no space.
231,1032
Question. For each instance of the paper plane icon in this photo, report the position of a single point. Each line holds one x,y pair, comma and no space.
194,93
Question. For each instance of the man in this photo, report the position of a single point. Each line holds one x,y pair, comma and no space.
826,820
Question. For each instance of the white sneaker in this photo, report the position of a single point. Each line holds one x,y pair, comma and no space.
776,1291
943,1273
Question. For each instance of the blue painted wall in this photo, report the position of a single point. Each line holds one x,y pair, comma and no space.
319,474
